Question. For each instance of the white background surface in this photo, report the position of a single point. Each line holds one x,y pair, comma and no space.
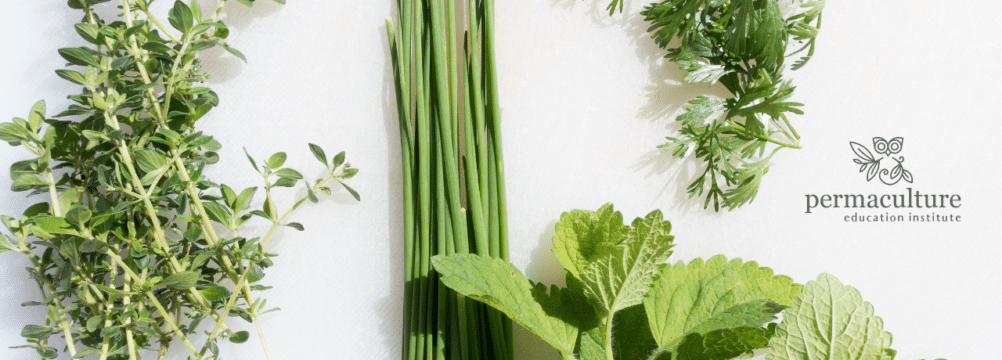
586,100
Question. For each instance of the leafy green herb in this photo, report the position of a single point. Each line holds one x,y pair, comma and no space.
623,302
450,132
742,44
129,252
830,321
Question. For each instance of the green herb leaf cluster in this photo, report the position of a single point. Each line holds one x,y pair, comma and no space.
743,44
135,248
622,301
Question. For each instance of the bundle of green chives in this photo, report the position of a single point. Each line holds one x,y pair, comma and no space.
449,129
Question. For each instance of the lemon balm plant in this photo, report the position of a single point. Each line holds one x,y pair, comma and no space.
623,301
135,248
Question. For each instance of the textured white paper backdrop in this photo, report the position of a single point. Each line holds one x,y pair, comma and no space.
586,99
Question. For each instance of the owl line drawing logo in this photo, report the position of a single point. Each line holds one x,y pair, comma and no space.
871,165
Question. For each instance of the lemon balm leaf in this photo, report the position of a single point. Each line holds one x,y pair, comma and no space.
700,297
830,321
500,285
622,277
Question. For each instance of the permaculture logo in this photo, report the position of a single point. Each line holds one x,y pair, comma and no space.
871,165
906,204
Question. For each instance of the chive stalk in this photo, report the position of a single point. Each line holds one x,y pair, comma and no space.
453,173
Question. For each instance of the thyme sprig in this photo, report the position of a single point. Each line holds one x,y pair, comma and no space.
126,251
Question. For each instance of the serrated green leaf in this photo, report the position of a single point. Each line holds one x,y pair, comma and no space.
754,313
723,344
622,277
583,236
500,285
590,344
632,338
830,321
721,285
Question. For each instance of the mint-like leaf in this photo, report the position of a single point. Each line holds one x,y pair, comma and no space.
622,278
500,285
830,321
583,236
702,296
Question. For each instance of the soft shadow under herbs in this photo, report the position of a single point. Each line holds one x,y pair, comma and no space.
598,10
221,64
667,95
542,267
390,307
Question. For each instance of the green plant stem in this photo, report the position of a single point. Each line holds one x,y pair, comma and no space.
156,22
212,238
607,335
219,9
156,303
64,319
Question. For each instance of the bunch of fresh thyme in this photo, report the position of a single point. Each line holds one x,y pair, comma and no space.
130,251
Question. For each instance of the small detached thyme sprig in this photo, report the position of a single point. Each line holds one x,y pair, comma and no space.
126,251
